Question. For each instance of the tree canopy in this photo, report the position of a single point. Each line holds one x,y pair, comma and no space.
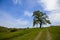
40,18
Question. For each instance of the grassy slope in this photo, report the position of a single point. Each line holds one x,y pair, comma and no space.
27,34
55,32
30,34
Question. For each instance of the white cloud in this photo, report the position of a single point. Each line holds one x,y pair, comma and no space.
27,13
7,20
22,22
49,5
54,7
54,18
16,1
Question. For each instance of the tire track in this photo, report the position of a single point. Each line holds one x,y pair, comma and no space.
38,36
48,35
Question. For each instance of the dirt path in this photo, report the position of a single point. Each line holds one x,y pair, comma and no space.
38,36
48,35
42,34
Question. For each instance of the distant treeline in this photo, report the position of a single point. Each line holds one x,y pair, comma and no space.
5,29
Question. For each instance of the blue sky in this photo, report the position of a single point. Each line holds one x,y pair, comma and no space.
18,13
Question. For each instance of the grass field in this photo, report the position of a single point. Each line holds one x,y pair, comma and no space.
55,32
31,33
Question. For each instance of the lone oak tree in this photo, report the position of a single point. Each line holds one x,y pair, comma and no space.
40,18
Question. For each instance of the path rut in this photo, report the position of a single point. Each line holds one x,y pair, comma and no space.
48,35
38,36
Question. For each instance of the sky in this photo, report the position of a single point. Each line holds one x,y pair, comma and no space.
18,13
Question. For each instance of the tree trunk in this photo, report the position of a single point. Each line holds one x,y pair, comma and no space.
40,25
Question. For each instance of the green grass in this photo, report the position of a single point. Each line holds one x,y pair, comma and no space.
19,35
29,36
30,33
55,32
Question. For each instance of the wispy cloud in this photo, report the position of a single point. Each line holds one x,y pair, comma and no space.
17,1
27,13
49,5
54,17
53,6
8,21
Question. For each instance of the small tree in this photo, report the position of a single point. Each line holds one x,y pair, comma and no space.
40,18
